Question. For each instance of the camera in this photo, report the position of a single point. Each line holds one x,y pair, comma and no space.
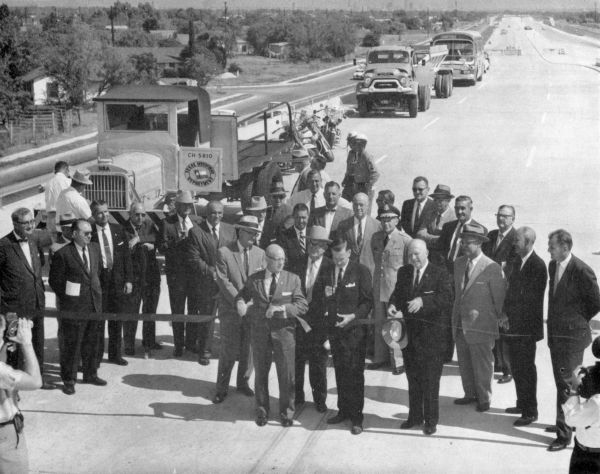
590,382
12,325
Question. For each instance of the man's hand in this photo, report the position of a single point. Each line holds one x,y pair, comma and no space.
272,309
415,305
503,322
242,308
346,318
149,246
392,312
133,242
23,336
128,288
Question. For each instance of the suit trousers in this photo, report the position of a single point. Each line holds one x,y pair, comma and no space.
423,372
348,348
80,339
583,462
308,348
522,353
568,362
180,291
476,364
148,298
110,304
205,331
382,352
502,356
235,344
274,339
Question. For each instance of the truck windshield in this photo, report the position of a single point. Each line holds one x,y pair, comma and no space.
388,57
134,117
458,50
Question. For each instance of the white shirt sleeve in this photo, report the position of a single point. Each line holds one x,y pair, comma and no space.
8,377
582,414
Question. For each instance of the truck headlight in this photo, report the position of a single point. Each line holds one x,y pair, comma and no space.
368,81
404,81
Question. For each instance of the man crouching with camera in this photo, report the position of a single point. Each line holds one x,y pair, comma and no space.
13,450
582,411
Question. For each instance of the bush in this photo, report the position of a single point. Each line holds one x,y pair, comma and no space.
234,68
371,39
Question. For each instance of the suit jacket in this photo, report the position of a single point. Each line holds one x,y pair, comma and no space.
524,302
430,232
295,257
570,308
362,254
318,217
174,247
288,293
231,275
315,314
479,306
146,271
444,243
427,328
387,262
274,225
122,270
354,295
505,252
407,212
67,266
21,285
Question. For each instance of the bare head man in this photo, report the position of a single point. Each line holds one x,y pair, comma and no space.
417,253
525,240
463,205
360,205
23,222
275,258
137,214
560,244
214,213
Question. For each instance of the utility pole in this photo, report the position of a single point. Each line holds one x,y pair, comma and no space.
112,25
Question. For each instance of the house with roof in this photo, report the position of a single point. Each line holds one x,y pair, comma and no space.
165,57
41,87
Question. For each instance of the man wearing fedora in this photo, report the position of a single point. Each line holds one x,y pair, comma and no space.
479,289
361,172
310,345
235,263
432,223
201,258
258,208
173,244
71,200
423,298
335,210
277,212
293,241
416,211
389,246
317,163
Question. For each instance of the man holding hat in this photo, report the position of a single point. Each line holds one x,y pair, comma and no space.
235,263
479,289
276,215
423,297
361,172
71,199
431,225
174,241
389,247
258,209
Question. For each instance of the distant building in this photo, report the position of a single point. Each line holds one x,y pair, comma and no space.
41,86
242,47
278,50
165,57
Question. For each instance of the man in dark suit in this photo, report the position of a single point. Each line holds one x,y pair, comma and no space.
201,258
142,236
573,299
343,295
423,297
293,241
21,285
173,244
524,306
331,214
271,299
235,263
416,211
277,213
116,278
75,278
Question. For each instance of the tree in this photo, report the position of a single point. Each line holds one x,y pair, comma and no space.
114,69
202,67
371,39
150,24
146,68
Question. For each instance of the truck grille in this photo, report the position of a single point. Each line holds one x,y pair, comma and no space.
385,85
108,187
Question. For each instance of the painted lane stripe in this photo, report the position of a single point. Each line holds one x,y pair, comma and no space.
380,159
431,123
530,157
462,100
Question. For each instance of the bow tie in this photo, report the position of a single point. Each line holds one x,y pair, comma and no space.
23,240
331,210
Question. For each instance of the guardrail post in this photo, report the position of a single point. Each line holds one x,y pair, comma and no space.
33,128
11,137
53,124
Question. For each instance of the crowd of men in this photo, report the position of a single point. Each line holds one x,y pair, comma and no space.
298,276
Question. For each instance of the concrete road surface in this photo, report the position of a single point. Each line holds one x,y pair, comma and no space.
527,135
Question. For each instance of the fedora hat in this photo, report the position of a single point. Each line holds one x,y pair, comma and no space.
82,176
67,219
318,233
394,333
474,230
184,197
442,192
249,223
360,137
257,203
277,189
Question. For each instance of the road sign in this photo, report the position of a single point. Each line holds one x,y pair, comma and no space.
200,169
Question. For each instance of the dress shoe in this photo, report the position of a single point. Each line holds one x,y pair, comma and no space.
178,352
334,420
95,380
356,429
377,365
408,424
525,420
513,411
204,361
157,346
261,420
47,386
481,407
465,401
505,378
219,397
245,390
118,361
286,422
558,445
551,429
69,389
429,429
321,407
129,351
398,370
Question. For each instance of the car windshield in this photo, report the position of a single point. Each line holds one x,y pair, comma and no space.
388,57
458,50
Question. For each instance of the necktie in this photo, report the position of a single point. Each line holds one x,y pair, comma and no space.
498,241
86,264
558,276
312,203
339,278
437,220
467,273
272,286
302,241
386,239
215,235
107,252
452,254
359,237
417,277
310,279
246,263
417,214
24,244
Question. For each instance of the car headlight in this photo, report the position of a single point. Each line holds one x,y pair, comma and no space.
368,81
404,81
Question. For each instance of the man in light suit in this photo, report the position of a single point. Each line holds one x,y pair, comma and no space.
417,211
272,299
573,299
432,224
389,247
332,213
235,263
478,311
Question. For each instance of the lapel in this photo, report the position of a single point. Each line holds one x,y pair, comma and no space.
565,276
424,278
261,285
481,264
239,259
78,258
21,255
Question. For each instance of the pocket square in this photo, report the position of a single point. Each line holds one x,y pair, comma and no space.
428,292
350,285
286,293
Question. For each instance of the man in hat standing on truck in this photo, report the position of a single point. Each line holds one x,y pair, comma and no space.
71,200
361,172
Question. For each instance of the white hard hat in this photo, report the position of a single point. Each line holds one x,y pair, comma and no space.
360,137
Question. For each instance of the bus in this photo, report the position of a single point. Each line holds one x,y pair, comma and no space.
465,57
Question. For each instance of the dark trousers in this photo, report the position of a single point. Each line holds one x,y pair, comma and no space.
111,303
80,339
274,339
205,331
235,344
180,291
311,350
348,348
568,362
502,356
583,462
148,298
423,372
522,353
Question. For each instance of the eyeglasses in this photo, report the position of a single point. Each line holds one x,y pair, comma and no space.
420,190
504,216
30,222
86,233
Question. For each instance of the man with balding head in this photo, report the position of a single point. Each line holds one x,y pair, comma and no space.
272,299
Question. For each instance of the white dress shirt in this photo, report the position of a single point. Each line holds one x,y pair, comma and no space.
268,278
311,275
560,269
25,248
80,252
473,264
421,271
585,416
363,222
419,205
305,196
456,236
185,224
54,187
108,235
524,259
69,200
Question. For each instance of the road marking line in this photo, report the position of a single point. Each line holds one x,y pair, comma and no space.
544,117
530,157
462,100
378,160
431,123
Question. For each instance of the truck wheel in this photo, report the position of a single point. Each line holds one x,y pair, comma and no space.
271,172
423,90
446,86
246,185
437,85
413,106
450,85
